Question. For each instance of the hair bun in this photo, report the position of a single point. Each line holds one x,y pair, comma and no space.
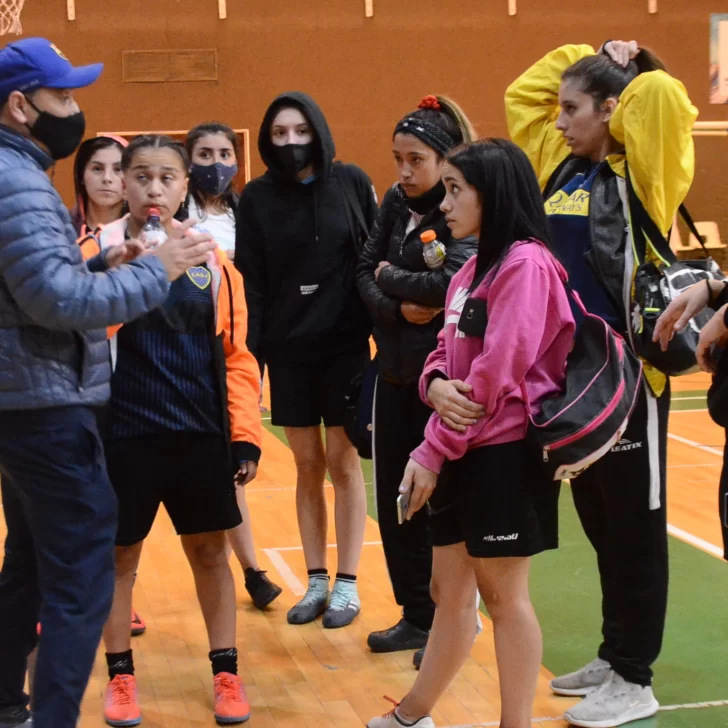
430,102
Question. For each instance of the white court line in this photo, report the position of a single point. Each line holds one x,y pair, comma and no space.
286,487
277,490
673,411
687,399
284,570
663,709
328,546
700,543
692,443
291,580
496,723
695,706
697,465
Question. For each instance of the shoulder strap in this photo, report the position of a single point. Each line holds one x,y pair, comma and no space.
354,212
556,180
644,228
692,227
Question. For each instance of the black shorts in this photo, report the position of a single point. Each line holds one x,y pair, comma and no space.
305,394
497,500
189,473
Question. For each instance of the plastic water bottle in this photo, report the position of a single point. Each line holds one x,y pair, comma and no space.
153,233
433,250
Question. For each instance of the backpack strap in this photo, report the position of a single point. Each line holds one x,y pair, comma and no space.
352,206
687,217
644,229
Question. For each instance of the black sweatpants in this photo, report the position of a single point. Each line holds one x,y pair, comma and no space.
613,500
723,500
399,427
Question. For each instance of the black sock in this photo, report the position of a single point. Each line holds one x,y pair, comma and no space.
351,578
224,661
120,663
318,572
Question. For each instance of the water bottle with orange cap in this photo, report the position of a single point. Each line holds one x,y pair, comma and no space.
433,250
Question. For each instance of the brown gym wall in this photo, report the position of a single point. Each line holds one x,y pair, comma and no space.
366,73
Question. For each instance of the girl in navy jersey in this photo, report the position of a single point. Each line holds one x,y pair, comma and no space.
183,426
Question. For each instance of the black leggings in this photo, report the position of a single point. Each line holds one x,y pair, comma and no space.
399,427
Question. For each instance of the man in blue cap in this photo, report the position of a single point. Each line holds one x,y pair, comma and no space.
59,506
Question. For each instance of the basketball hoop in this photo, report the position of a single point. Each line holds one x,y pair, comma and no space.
10,16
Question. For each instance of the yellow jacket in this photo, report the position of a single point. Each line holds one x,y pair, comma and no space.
653,121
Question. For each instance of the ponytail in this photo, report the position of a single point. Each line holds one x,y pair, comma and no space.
603,78
455,112
647,60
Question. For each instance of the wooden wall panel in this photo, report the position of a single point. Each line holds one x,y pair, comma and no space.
365,72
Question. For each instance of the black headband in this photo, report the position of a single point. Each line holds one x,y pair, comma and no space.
427,132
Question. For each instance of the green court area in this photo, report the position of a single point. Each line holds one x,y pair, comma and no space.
566,593
690,400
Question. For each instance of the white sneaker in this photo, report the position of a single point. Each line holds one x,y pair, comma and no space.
615,703
584,681
392,720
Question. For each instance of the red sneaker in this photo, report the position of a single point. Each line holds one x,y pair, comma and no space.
121,706
138,625
231,702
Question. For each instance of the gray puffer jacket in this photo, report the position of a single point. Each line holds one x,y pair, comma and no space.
53,309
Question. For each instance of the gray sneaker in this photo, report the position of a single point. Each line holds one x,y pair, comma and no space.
584,681
614,703
314,601
343,607
15,717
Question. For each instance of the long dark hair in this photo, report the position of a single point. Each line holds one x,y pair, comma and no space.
229,198
602,78
157,141
510,198
83,156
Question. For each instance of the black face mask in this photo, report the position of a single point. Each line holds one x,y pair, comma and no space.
61,134
213,179
431,200
294,158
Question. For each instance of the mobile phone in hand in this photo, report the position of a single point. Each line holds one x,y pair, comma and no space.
402,505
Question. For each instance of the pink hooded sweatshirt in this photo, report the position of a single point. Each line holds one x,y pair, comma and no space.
529,334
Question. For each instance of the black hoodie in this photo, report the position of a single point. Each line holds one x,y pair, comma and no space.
296,252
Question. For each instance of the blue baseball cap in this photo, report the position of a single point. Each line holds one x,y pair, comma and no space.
34,63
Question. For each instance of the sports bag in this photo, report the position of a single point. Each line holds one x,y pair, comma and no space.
657,283
581,424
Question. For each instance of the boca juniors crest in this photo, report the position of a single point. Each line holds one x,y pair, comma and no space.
200,276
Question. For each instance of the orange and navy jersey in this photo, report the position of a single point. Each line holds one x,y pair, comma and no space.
239,370
88,241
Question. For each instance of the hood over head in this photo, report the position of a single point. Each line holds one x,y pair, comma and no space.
324,149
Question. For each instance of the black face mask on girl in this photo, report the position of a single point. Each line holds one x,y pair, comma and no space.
62,135
213,179
294,158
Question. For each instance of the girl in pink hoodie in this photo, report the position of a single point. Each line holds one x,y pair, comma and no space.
508,331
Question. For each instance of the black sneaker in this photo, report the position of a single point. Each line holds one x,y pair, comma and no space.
403,636
418,657
261,589
13,717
